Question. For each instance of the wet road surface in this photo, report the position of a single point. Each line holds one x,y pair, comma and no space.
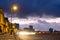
30,37
39,37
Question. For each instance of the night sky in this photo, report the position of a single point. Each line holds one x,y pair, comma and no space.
34,7
37,10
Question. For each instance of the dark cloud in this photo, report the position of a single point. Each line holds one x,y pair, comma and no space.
33,7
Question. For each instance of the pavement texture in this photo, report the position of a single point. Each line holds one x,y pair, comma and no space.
40,37
29,37
8,37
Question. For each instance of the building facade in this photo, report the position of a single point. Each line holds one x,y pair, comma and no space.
30,29
5,25
2,22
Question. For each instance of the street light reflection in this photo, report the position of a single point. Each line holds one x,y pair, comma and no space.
26,33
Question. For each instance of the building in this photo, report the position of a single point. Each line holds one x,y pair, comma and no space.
5,25
30,29
16,25
2,22
50,29
30,26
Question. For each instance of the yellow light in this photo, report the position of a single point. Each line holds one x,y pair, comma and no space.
26,33
14,7
40,32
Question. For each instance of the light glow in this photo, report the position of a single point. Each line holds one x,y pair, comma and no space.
26,33
14,7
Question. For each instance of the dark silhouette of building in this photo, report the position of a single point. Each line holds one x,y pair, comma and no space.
56,31
30,29
17,25
50,29
30,26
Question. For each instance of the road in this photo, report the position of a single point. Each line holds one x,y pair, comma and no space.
29,37
7,37
39,37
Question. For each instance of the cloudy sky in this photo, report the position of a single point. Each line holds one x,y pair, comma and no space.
42,14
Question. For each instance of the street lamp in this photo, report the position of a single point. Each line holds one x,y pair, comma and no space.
14,9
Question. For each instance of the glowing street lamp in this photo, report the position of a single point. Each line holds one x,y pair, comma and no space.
14,7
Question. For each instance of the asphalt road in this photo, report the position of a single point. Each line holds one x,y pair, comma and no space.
30,37
7,37
39,37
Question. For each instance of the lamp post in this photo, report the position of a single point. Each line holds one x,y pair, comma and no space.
14,8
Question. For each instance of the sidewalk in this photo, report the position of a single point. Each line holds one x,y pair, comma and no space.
8,37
